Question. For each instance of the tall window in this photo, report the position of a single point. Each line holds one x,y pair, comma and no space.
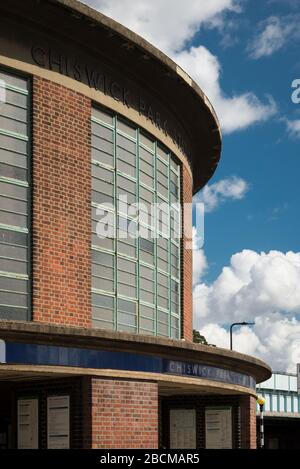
136,279
14,197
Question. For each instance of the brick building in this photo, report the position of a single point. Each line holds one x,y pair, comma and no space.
96,343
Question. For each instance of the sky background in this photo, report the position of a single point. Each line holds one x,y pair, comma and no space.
245,55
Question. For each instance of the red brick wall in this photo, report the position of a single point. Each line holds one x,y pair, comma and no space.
123,414
61,205
61,210
187,259
248,422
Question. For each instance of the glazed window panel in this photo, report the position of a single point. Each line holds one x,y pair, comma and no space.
147,284
15,284
127,315
13,159
103,311
139,171
103,270
127,241
126,156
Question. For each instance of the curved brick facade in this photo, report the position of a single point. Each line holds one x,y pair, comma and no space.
61,215
113,403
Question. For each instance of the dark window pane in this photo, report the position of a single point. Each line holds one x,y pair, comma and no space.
126,290
13,205
126,144
13,299
127,306
16,267
102,271
99,198
101,144
163,329
12,190
102,173
13,237
174,165
146,141
102,314
18,314
11,125
102,157
103,116
12,80
103,186
101,300
13,284
147,312
147,245
126,265
102,132
15,159
174,189
127,319
16,98
12,252
8,110
146,324
102,258
14,144
13,219
102,325
146,273
126,129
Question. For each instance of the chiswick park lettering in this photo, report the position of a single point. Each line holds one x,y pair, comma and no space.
100,81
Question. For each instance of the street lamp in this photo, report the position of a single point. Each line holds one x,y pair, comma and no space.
238,324
261,402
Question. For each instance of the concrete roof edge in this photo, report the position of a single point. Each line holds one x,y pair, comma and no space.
262,370
104,20
165,61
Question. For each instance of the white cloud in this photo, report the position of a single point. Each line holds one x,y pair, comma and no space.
273,33
170,26
264,288
293,128
236,112
213,195
199,260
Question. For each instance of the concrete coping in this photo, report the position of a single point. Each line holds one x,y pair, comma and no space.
41,333
205,162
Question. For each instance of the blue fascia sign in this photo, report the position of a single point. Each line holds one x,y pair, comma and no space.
53,355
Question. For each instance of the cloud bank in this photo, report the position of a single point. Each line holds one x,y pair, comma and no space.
213,195
172,26
260,287
273,34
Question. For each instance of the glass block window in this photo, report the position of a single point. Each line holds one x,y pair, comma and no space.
14,197
136,275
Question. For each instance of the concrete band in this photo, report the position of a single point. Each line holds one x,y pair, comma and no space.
183,384
124,342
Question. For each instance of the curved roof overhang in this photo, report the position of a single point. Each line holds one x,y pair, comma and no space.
144,346
72,22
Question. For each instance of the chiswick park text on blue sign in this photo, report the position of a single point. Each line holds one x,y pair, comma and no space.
36,354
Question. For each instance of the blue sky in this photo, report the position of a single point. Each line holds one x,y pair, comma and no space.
264,155
245,55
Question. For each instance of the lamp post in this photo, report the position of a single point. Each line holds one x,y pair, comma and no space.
261,402
238,324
